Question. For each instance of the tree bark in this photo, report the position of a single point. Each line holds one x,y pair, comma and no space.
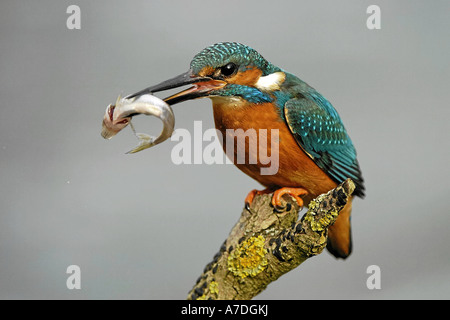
265,244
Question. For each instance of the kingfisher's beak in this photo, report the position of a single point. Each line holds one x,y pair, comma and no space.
202,87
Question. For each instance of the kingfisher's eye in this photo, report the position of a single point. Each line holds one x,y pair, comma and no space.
228,69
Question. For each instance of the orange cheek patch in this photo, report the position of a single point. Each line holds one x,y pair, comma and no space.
246,78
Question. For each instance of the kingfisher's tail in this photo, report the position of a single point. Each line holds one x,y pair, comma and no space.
340,234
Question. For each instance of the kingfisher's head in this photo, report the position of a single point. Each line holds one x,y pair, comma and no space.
225,70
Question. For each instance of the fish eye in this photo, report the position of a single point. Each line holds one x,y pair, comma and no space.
228,69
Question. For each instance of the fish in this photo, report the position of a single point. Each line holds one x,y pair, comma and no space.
118,116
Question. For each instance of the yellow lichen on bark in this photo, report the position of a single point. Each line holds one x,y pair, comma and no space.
325,221
265,244
214,287
249,258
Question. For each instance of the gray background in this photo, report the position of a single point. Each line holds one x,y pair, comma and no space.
140,226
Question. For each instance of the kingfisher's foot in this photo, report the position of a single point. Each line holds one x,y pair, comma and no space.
251,195
296,193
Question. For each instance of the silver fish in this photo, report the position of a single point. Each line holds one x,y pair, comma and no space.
119,115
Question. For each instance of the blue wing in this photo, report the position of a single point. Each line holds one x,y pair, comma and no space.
319,131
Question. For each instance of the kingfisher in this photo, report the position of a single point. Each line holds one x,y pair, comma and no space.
248,92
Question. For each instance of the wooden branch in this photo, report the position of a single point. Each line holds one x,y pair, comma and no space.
265,244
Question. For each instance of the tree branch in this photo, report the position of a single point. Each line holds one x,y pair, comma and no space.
265,244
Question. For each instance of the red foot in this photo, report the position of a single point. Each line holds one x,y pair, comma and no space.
251,195
293,192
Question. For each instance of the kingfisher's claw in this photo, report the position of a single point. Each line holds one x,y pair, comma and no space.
281,209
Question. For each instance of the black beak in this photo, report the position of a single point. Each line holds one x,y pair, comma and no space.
203,86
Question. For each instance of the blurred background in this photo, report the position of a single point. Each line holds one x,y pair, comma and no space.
141,227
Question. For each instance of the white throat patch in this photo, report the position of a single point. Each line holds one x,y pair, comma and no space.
271,82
